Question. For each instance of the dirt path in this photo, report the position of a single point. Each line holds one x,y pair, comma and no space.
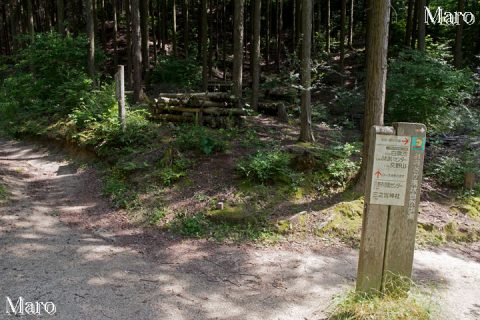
93,273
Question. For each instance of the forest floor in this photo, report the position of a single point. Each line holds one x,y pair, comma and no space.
61,241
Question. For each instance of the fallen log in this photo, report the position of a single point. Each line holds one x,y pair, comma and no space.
212,121
173,117
194,102
169,109
206,95
210,110
225,111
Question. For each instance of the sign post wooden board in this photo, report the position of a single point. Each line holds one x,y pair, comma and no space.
392,194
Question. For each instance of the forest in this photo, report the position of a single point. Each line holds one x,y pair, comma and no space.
248,121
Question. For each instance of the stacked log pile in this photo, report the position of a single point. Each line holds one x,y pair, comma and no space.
215,109
278,102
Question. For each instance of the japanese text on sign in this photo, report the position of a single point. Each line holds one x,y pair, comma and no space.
390,170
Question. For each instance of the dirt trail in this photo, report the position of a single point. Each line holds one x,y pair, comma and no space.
94,273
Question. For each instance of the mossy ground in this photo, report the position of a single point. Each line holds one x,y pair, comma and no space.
3,193
471,207
343,221
412,305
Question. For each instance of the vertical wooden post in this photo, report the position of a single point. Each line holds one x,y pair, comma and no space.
120,93
392,195
374,226
402,222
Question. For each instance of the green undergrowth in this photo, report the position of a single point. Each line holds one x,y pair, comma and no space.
213,226
3,193
403,302
202,140
312,168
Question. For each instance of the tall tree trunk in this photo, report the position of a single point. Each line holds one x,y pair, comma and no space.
204,45
217,29
319,14
160,26
60,17
4,41
279,33
128,11
343,19
144,34
294,24
136,50
154,33
31,30
376,68
408,29
458,54
14,23
269,23
257,16
306,133
186,27
115,32
421,26
164,25
103,21
350,24
91,38
327,27
95,16
210,42
414,36
174,34
224,39
298,21
238,51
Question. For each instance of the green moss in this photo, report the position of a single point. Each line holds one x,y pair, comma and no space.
429,236
231,214
472,208
345,221
296,223
434,236
284,226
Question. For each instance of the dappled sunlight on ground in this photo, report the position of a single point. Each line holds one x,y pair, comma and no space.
129,273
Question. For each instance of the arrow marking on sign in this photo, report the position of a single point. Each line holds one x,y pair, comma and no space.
405,141
378,174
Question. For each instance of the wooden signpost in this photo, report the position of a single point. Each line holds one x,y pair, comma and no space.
392,195
120,93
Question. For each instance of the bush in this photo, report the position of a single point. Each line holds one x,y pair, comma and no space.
116,188
265,167
105,134
340,165
183,72
47,83
426,89
199,139
49,77
450,170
